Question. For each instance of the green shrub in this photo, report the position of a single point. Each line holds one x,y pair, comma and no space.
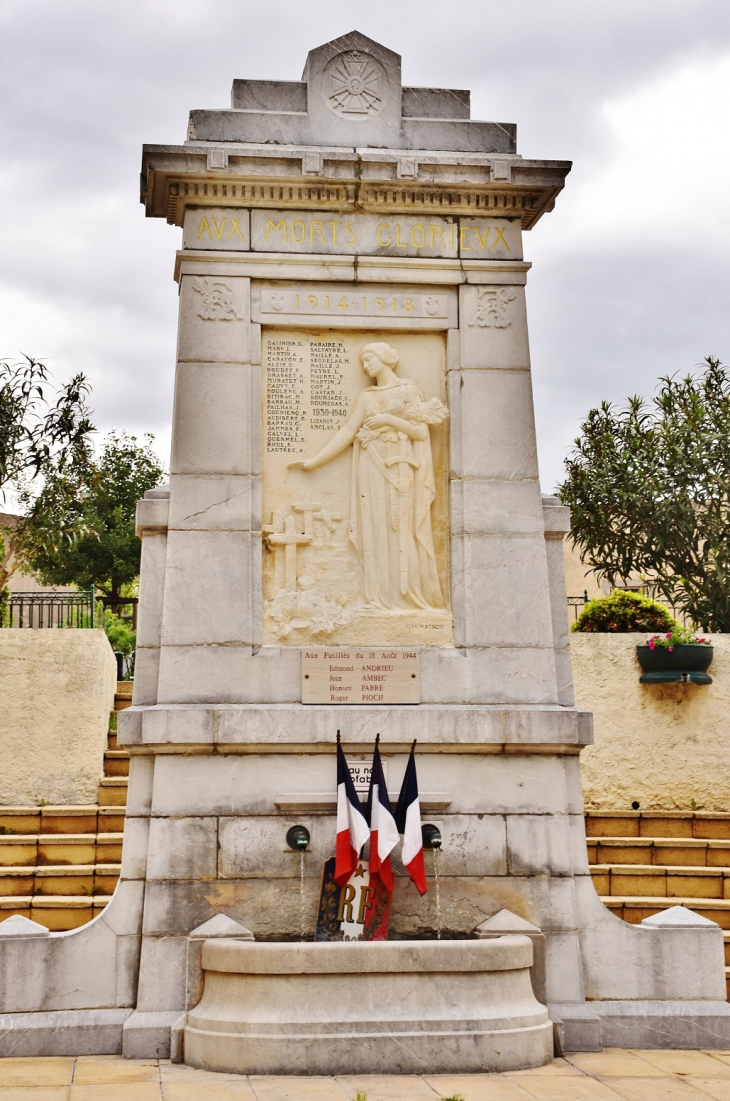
624,611
121,636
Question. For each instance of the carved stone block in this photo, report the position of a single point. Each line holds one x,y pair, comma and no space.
214,319
493,326
354,489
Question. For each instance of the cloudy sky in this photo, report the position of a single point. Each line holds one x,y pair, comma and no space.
631,270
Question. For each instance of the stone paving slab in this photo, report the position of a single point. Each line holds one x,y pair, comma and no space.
611,1075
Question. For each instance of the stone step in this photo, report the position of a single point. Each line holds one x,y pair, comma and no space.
61,879
87,819
57,912
43,849
643,880
635,909
663,851
113,791
714,825
116,763
50,819
123,695
111,819
726,940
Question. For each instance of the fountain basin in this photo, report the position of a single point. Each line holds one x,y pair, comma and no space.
393,1007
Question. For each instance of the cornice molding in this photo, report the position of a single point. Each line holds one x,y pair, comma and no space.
364,269
175,178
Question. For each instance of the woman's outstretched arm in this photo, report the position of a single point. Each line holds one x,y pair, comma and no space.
341,440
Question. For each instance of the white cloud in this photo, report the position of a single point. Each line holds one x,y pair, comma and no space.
635,91
663,180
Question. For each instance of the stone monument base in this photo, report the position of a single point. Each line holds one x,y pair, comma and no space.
400,1007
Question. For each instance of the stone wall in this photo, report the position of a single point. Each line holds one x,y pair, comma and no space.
662,745
57,689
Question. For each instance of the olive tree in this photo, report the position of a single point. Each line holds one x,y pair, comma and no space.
43,435
106,552
648,486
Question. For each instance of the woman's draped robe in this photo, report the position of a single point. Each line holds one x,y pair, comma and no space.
393,488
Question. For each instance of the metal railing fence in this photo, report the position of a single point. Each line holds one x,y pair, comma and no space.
577,603
48,609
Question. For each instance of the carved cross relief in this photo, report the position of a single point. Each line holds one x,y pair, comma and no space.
284,537
353,84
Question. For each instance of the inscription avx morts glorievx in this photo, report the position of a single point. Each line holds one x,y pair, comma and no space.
302,231
399,235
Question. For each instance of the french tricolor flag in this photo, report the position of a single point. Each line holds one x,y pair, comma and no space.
383,830
408,821
352,828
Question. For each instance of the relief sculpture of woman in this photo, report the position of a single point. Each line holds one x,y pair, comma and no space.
392,487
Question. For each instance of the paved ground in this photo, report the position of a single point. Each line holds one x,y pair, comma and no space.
613,1074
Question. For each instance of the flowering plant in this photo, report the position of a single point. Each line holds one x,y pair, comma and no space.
678,636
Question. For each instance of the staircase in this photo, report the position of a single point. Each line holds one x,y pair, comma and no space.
60,865
642,862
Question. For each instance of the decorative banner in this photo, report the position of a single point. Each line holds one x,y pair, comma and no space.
358,911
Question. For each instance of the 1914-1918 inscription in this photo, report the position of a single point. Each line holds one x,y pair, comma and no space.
360,676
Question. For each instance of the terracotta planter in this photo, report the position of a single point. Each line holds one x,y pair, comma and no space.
686,663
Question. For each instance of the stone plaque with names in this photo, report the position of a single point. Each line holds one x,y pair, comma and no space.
355,490
360,676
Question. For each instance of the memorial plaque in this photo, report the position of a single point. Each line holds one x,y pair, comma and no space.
355,489
360,676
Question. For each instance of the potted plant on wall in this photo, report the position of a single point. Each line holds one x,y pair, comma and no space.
679,656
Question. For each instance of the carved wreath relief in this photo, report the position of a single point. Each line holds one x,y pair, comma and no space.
353,84
354,490
217,297
492,308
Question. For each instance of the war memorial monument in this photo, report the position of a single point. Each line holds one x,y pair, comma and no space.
353,539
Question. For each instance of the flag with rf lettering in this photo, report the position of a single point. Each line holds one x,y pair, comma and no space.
408,821
352,828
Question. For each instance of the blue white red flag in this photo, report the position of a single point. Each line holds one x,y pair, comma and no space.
383,830
352,828
408,822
